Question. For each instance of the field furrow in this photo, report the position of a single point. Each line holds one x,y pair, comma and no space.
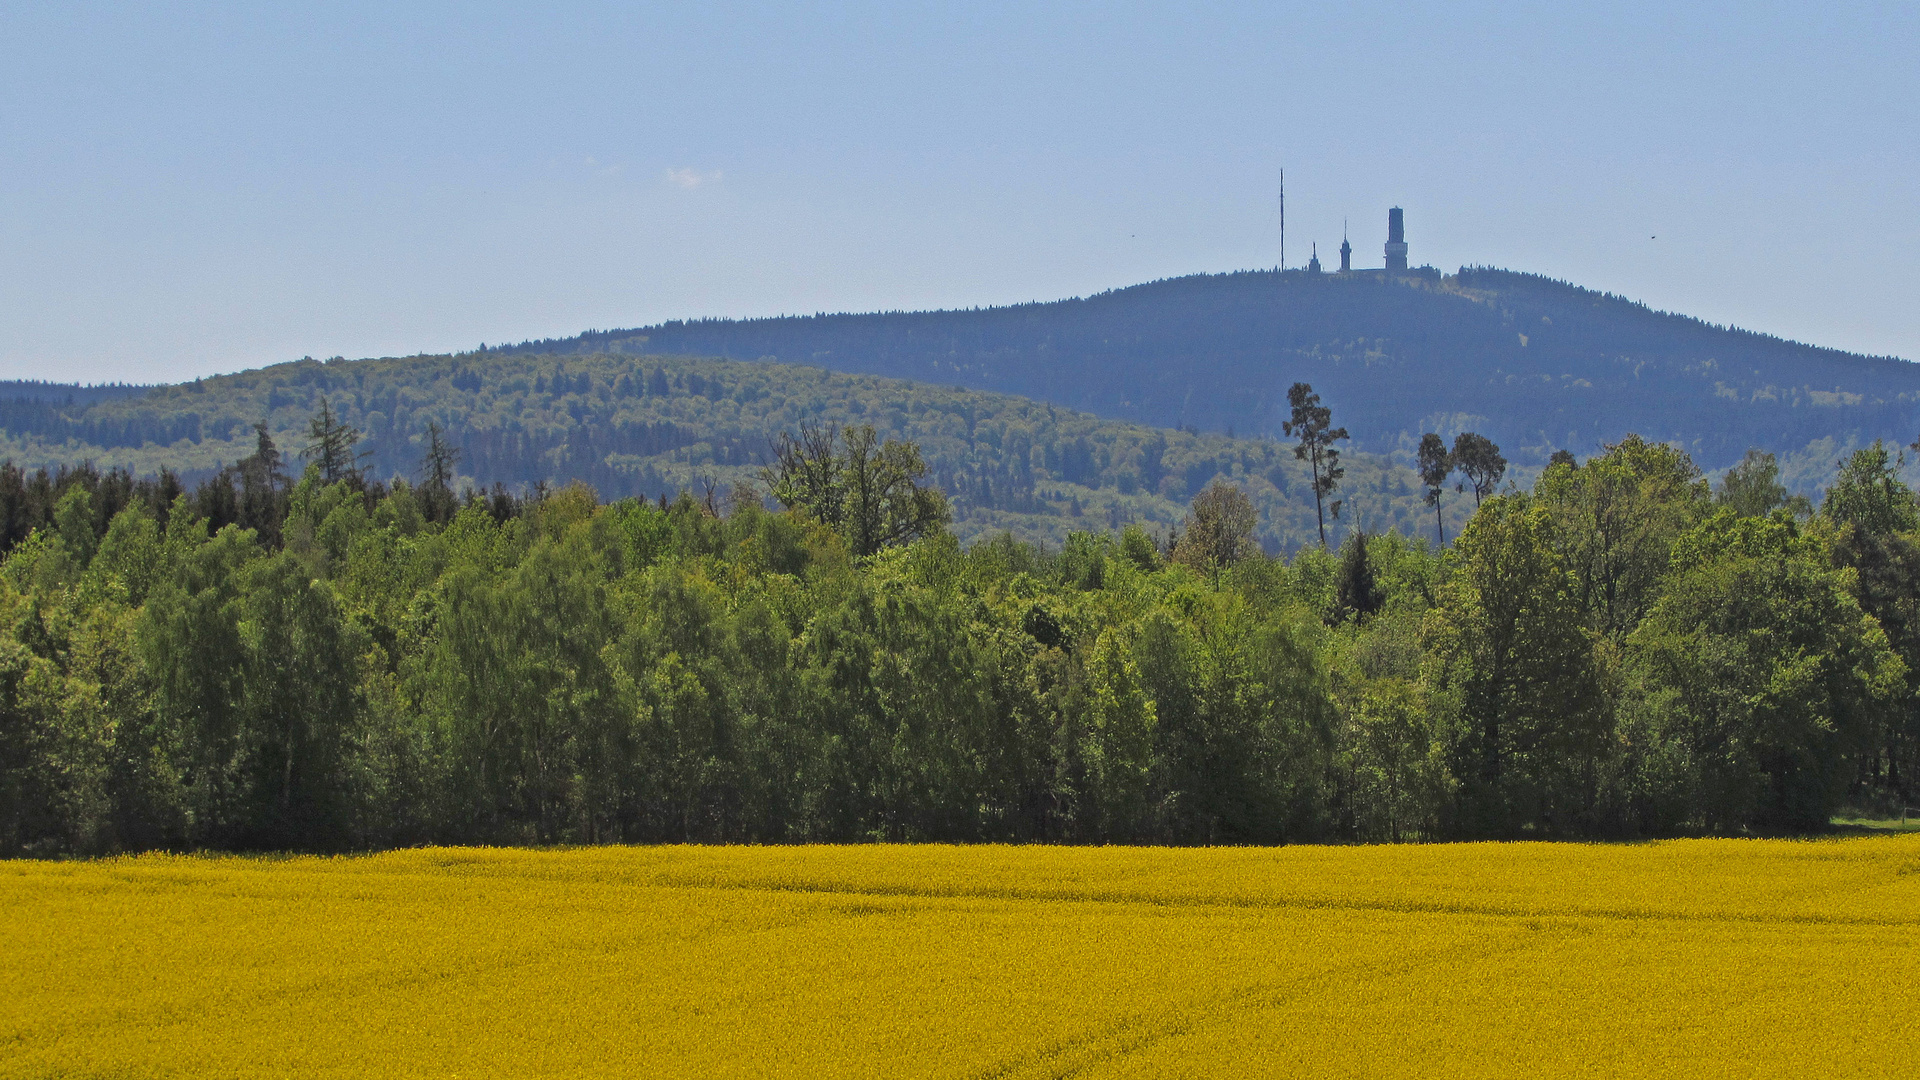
1699,958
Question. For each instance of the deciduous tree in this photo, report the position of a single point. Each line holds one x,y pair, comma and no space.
1761,673
1618,515
1868,493
1219,528
1753,488
869,490
1514,656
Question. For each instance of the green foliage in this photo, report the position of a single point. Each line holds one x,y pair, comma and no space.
437,462
1757,676
1753,488
1218,531
1478,458
1312,424
574,671
1610,655
330,445
1869,494
1617,517
872,491
1138,548
1511,654
632,426
1876,543
1356,594
1398,779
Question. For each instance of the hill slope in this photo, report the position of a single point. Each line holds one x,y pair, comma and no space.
652,425
1537,364
1113,392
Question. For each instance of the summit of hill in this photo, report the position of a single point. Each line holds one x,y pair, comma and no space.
1535,363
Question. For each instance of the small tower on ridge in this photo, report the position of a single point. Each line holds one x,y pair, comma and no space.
1396,242
1313,264
1346,251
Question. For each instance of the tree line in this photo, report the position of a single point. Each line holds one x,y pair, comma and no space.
647,426
328,662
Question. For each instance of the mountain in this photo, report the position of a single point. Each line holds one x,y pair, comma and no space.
1536,364
1042,418
649,426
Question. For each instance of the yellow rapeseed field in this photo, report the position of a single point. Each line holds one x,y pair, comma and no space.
1691,958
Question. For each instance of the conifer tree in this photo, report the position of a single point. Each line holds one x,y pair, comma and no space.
1357,595
436,474
331,445
1435,466
261,502
1312,424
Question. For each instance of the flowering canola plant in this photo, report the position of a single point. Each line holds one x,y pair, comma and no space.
1689,958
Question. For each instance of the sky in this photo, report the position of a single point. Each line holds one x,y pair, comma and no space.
188,189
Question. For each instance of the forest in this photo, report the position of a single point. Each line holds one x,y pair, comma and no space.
1048,418
335,662
647,426
1534,363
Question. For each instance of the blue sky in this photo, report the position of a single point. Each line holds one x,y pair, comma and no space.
188,189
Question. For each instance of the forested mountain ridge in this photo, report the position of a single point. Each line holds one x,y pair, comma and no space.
1535,363
656,425
1129,402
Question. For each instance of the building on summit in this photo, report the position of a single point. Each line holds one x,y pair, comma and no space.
1396,252
1396,242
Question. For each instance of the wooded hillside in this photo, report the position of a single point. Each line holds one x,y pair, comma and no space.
1621,652
1537,364
655,425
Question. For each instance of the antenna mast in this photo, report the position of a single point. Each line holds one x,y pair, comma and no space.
1283,219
